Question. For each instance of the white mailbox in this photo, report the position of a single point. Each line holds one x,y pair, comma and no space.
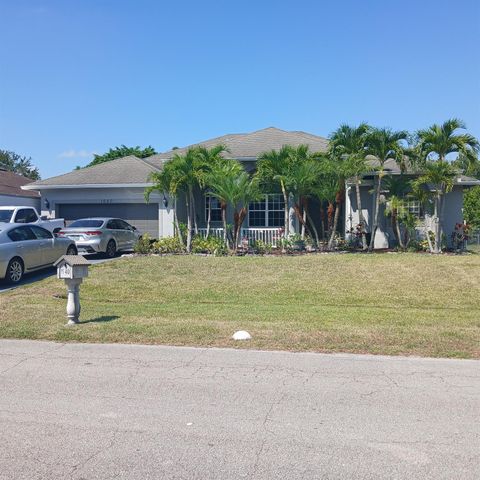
73,269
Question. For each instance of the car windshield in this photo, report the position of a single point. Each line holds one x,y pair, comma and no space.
86,224
5,215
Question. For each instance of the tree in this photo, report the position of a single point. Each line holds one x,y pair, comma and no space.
13,162
303,176
471,205
383,144
349,143
398,188
274,168
209,159
166,181
436,180
434,144
122,151
231,184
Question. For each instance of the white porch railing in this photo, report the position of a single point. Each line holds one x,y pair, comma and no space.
269,236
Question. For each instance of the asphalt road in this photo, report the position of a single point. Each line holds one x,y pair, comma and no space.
47,272
148,412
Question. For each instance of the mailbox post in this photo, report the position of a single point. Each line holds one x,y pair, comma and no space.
73,269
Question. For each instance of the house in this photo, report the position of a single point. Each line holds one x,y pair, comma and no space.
116,189
11,192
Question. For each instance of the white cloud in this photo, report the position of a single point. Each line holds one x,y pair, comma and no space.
76,154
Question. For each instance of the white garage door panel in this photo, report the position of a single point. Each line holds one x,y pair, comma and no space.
142,216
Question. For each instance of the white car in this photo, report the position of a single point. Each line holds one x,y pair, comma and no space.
30,215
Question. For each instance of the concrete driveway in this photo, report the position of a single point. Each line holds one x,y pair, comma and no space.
47,272
149,412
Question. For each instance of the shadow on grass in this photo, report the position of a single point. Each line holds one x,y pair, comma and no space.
105,318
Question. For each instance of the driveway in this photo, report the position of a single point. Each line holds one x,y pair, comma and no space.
149,412
47,272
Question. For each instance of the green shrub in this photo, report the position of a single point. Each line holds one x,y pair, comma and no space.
212,245
168,245
261,248
144,244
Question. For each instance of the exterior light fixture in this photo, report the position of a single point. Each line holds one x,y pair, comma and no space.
165,201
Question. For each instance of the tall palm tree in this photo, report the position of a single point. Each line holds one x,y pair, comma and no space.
383,144
166,182
231,184
398,188
209,158
436,180
349,143
304,174
434,145
274,168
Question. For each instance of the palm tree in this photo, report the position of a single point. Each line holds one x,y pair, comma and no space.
398,188
349,143
437,180
209,158
231,184
304,174
166,182
434,145
383,144
274,167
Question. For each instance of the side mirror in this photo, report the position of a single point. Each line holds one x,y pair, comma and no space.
43,217
134,228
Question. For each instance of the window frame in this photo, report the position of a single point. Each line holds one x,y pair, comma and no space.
208,199
266,199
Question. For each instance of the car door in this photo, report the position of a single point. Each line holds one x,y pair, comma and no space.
26,246
129,233
50,250
117,233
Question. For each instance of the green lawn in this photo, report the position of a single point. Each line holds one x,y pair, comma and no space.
412,304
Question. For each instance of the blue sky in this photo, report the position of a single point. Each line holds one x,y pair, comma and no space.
81,76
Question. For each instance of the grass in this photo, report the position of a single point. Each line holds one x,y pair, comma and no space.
393,304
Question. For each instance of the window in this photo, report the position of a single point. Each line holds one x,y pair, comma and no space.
113,225
412,206
26,215
213,204
86,224
41,233
267,212
21,234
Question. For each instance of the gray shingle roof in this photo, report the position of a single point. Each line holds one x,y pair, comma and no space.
251,145
126,170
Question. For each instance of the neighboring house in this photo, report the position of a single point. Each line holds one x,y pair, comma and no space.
11,193
116,189
385,238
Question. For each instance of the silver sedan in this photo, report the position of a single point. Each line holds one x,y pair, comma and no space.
101,235
26,248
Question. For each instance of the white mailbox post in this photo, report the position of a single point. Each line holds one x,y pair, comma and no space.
73,269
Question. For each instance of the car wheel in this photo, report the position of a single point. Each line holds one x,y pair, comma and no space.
111,250
72,250
14,270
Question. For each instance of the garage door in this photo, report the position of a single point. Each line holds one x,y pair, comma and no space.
142,216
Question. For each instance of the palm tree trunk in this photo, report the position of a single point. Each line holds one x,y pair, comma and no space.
209,217
361,219
175,220
224,221
334,227
438,240
194,213
375,215
396,228
189,221
286,210
314,228
304,216
322,221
